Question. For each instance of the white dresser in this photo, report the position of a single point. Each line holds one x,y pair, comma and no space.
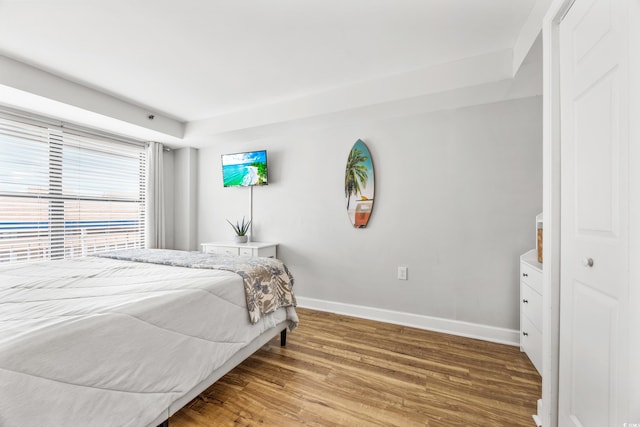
531,307
241,249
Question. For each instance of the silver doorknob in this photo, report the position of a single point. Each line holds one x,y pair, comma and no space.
587,262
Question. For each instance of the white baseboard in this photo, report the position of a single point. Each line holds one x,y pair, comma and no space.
447,326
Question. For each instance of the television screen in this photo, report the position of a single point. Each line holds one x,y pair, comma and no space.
244,169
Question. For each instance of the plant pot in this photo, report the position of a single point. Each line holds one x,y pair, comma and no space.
242,239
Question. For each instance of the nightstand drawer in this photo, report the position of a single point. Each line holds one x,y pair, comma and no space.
268,252
256,249
531,276
222,250
531,342
531,302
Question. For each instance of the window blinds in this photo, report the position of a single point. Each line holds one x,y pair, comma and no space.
66,193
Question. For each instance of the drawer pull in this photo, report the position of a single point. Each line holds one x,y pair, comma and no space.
525,301
526,334
525,275
587,262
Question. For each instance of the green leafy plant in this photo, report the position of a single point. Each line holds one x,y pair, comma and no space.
240,228
356,174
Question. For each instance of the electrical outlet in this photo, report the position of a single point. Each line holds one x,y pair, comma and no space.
402,273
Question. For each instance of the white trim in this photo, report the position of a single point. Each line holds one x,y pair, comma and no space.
529,32
436,324
634,207
551,211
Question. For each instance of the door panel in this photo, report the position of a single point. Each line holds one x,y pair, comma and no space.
595,162
594,317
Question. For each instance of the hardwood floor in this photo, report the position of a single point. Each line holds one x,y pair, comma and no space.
343,371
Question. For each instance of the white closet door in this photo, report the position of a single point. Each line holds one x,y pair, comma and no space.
594,214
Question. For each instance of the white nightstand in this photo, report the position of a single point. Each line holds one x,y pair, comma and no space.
241,249
531,307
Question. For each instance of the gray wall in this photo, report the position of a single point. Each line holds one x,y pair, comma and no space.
457,192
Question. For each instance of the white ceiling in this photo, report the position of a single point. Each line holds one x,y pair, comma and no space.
195,60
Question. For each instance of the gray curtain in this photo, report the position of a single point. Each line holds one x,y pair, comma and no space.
155,228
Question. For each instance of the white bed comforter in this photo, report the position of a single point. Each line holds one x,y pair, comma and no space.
103,342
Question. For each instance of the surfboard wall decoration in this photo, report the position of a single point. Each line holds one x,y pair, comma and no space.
359,185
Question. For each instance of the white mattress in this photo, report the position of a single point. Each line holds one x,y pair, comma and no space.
104,342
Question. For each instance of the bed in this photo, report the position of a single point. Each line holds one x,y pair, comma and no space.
129,338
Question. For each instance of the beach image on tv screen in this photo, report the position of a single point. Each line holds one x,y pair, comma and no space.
244,169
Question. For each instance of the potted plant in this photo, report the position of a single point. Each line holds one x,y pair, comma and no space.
241,230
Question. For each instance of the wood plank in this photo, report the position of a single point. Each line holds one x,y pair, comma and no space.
339,370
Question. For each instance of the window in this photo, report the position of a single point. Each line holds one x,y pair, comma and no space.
65,192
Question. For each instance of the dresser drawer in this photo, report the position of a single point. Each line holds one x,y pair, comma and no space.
246,252
531,303
269,252
531,276
222,250
531,342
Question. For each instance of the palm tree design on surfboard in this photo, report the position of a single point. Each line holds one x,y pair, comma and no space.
359,185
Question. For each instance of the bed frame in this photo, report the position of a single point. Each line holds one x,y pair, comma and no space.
162,420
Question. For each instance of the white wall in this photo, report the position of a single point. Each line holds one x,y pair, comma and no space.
457,192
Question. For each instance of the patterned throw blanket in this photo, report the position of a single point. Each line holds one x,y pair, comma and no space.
267,281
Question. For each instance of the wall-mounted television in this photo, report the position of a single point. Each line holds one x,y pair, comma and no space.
244,169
